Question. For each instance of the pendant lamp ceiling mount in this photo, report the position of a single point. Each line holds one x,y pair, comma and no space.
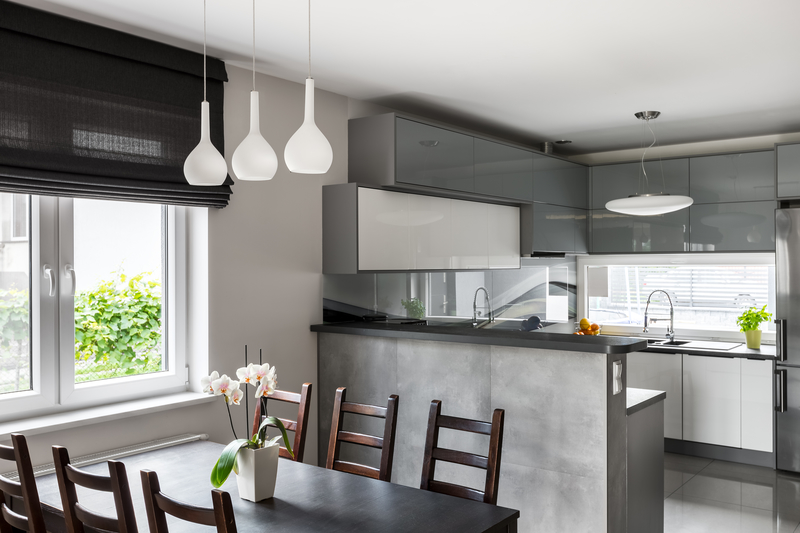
645,203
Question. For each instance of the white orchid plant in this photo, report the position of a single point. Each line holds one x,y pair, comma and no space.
264,379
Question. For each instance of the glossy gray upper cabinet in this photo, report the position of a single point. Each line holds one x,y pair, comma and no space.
617,233
743,177
434,157
610,182
733,227
503,171
553,228
560,182
788,156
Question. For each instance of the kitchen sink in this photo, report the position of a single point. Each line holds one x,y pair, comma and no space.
672,343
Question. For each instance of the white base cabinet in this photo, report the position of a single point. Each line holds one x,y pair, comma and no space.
757,405
712,400
660,371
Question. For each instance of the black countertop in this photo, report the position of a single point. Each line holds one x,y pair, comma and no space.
543,339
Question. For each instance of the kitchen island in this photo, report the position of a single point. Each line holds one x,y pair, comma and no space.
565,447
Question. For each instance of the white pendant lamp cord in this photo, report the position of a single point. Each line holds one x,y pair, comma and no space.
204,51
644,171
309,38
254,45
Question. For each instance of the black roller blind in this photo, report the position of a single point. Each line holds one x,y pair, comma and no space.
90,112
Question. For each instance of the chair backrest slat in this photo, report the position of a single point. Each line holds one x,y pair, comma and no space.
456,490
385,443
461,458
355,468
97,521
33,519
490,463
363,409
299,426
116,482
88,480
465,424
360,438
159,504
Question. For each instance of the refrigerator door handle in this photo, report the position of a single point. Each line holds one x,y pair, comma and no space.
780,339
780,390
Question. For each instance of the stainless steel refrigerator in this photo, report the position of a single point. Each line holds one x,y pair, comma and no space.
787,338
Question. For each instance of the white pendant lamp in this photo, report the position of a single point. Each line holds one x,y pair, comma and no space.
308,151
205,166
648,204
254,159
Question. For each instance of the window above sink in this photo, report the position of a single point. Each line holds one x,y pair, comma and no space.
707,291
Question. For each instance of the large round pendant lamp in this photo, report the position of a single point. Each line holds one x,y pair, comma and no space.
205,166
646,203
308,150
254,159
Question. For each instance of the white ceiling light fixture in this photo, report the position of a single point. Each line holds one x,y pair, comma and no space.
646,203
254,159
308,151
205,166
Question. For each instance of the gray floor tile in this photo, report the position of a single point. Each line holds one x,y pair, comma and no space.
712,488
686,514
685,463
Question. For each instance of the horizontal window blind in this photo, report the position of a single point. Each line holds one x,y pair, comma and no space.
704,296
90,112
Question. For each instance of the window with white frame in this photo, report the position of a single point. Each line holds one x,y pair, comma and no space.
86,304
706,295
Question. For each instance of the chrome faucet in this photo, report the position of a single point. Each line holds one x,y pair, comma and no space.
475,306
671,330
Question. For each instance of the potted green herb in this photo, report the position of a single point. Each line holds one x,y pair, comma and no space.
414,308
749,322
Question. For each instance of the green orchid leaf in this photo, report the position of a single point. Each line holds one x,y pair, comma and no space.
221,470
273,421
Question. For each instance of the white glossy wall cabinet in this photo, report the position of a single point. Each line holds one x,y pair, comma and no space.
712,407
367,230
661,371
503,236
469,233
757,405
383,230
430,225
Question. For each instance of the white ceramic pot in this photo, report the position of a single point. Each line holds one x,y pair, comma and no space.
258,470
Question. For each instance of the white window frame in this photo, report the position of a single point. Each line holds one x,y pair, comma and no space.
584,262
14,214
52,369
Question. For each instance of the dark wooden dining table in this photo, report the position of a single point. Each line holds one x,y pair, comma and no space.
307,498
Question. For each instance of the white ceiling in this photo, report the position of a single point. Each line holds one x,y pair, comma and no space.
522,69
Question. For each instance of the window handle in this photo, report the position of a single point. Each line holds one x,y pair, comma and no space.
70,271
47,270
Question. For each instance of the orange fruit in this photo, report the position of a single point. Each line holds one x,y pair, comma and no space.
594,327
584,323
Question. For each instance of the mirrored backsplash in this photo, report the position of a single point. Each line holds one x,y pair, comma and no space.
543,287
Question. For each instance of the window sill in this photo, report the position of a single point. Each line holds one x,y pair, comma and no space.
102,413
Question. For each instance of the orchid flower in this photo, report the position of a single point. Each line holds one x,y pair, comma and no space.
207,382
267,385
247,374
224,385
260,371
236,396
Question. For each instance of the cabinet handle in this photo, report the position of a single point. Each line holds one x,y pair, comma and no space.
781,391
780,339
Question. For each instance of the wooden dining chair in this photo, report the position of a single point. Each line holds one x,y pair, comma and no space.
490,463
25,488
385,443
299,426
158,505
75,514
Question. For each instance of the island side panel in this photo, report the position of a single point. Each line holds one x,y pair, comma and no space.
555,443
617,429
